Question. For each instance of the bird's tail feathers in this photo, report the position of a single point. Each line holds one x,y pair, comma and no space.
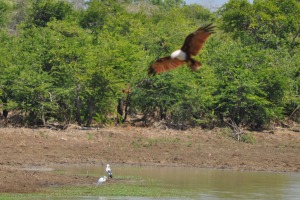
194,65
151,71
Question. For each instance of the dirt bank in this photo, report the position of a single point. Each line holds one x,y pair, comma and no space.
25,151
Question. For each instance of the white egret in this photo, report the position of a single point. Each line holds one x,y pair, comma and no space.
101,180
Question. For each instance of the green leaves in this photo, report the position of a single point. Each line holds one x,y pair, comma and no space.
252,83
273,24
4,11
44,11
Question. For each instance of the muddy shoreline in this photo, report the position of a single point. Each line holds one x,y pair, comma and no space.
24,152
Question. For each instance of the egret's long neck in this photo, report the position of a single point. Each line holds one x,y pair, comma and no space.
179,54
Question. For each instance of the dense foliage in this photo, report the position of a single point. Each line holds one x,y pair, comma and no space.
77,61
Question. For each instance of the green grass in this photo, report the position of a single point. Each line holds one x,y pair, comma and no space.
248,138
131,187
43,134
140,142
125,189
90,136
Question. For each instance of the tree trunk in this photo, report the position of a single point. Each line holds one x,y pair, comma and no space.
5,111
127,104
91,111
78,109
162,113
120,110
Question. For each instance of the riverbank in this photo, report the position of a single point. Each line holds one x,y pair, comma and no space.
26,154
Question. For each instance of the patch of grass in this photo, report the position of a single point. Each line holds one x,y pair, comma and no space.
163,140
7,196
227,132
90,136
59,172
245,137
135,188
132,187
141,142
248,138
135,144
43,134
189,144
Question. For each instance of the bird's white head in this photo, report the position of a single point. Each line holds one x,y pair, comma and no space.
179,54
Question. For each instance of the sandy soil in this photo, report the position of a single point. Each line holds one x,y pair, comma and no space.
26,154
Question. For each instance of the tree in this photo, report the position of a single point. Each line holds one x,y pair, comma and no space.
70,65
95,16
4,11
270,23
46,10
252,83
7,74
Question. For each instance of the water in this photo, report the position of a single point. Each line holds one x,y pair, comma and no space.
208,184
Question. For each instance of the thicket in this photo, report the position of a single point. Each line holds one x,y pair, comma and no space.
78,61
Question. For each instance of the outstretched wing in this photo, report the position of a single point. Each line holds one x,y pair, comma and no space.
195,41
164,64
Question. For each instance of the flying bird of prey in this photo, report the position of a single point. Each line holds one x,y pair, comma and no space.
191,46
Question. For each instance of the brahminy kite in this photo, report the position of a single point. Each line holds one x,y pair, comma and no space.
192,45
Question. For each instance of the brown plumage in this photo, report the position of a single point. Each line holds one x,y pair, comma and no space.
191,47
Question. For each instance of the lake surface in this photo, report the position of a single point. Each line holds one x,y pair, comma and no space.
207,184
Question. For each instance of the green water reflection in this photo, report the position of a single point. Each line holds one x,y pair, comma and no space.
209,183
